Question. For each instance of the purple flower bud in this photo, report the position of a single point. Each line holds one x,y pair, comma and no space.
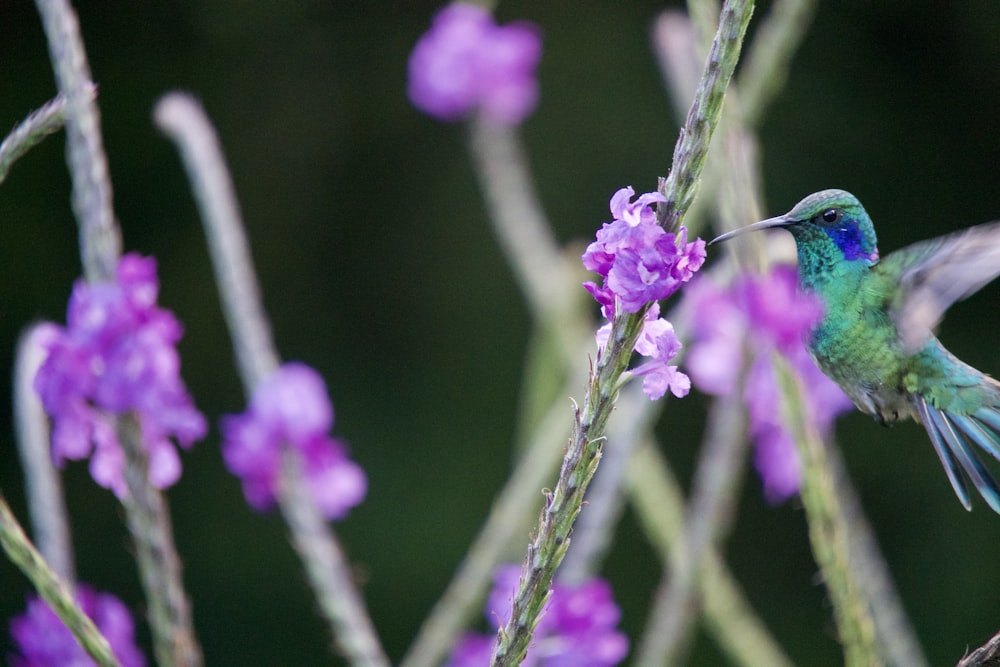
116,355
43,640
466,62
291,408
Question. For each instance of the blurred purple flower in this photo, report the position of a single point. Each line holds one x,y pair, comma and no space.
43,640
758,316
639,261
292,408
578,628
117,355
467,62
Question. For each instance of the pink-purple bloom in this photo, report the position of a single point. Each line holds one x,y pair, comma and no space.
641,264
577,629
639,261
759,316
466,62
42,640
292,408
117,354
659,343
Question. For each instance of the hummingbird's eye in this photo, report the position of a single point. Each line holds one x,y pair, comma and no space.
831,215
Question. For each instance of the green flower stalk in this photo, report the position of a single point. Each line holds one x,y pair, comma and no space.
52,588
829,532
548,547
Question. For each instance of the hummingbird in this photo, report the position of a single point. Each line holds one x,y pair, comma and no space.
876,337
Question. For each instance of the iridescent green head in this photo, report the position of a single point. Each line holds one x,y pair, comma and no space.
827,216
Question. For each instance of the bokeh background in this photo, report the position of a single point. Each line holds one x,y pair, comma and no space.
379,269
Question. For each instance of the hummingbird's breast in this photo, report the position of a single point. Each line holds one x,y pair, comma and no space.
857,345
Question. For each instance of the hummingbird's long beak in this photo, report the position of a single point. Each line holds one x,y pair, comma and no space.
770,223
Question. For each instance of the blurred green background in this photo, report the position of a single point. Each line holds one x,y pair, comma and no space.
379,269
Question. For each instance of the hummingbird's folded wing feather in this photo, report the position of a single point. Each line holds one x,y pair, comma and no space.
934,274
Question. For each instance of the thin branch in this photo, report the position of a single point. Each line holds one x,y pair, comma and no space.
148,519
182,118
100,237
56,591
987,655
829,531
43,485
40,123
713,499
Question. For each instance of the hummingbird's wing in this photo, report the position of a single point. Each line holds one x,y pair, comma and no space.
934,274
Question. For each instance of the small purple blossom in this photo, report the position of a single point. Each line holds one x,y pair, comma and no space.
578,628
43,641
658,342
639,261
117,354
467,62
292,408
761,315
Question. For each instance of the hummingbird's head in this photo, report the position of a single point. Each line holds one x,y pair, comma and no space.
824,221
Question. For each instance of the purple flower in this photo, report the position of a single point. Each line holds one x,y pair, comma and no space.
43,640
117,354
291,408
641,264
578,628
658,342
467,62
758,316
639,261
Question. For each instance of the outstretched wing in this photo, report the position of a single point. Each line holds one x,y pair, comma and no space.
936,273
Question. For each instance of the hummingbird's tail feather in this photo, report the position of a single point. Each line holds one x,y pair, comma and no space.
952,436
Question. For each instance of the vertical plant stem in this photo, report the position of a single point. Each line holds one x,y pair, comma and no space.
100,248
829,532
893,630
681,185
768,60
707,519
183,120
518,221
659,504
148,519
100,238
635,416
327,568
548,547
52,588
43,486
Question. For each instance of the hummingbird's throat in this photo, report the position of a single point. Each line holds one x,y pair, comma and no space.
852,243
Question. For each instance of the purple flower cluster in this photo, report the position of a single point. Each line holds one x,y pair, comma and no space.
117,355
43,640
759,316
639,261
292,408
578,628
466,62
